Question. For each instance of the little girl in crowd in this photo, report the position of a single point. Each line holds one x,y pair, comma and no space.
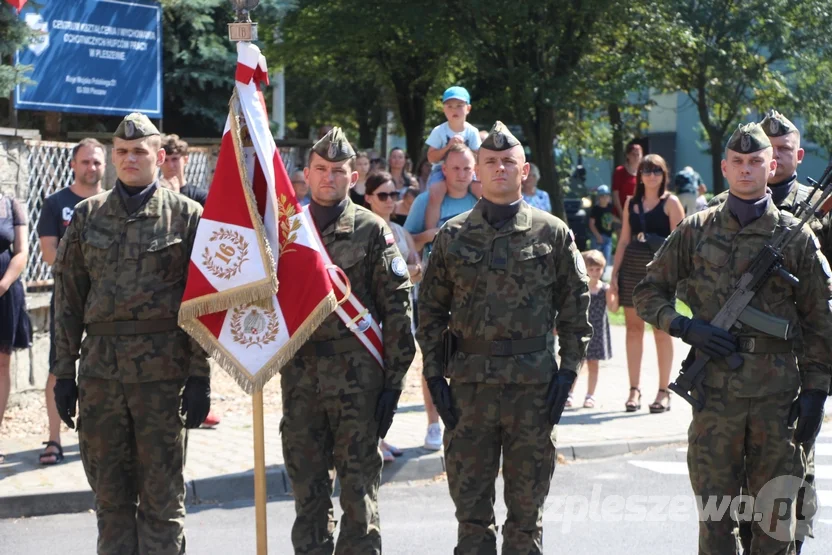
601,300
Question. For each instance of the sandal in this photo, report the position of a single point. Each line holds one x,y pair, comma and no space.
59,456
633,406
568,403
589,402
657,407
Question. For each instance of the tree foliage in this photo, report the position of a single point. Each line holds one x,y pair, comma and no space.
533,69
14,35
403,46
733,57
199,63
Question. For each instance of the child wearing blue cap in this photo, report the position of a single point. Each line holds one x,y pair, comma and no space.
456,104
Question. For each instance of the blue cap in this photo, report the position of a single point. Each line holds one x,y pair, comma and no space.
602,190
458,93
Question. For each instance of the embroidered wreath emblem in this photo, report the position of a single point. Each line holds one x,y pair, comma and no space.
252,326
215,262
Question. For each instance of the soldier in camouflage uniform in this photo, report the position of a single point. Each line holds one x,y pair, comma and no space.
747,427
337,401
501,276
119,275
786,193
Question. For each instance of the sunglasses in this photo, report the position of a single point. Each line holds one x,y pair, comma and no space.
384,196
654,171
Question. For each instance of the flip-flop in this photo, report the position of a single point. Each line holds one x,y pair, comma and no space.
59,456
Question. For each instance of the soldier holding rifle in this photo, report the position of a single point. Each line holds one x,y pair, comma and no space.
761,396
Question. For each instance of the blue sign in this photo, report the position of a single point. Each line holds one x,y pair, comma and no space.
95,57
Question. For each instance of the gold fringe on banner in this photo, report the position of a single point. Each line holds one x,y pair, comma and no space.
255,382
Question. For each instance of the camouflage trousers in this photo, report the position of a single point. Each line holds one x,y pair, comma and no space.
132,447
736,441
807,502
493,419
324,437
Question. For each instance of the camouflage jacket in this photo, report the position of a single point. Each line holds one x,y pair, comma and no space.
822,228
512,283
112,266
710,251
361,244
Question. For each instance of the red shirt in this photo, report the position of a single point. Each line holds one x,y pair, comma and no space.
623,184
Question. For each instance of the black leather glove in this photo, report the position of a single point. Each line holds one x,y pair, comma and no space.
440,392
711,340
196,401
66,397
386,409
808,411
558,392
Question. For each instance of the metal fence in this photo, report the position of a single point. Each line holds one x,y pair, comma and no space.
49,172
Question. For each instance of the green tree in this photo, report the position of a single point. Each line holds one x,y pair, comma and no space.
733,58
530,55
198,65
14,35
406,46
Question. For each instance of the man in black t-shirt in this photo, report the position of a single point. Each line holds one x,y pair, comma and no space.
601,220
173,170
87,163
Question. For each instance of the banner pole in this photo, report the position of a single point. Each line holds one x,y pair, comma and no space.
259,473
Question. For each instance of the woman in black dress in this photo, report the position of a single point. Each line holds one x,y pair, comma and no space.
15,330
651,210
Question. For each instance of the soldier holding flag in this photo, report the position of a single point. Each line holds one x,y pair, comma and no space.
341,390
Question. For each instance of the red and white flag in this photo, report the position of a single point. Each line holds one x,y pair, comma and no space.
253,235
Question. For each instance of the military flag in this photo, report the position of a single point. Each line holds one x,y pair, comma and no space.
253,236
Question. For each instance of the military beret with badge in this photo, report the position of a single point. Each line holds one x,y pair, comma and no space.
334,146
748,138
135,126
499,138
776,124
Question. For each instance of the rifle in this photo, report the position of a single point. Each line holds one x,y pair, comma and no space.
768,261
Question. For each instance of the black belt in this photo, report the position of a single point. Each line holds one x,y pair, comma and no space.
330,348
764,345
503,348
132,327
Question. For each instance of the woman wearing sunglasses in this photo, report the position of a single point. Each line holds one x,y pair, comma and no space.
381,196
650,215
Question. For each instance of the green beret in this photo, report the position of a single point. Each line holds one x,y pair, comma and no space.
135,126
334,146
748,138
499,138
776,124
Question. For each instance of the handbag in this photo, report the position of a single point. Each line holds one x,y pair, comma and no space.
653,241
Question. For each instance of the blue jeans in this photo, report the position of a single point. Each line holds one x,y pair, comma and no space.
605,247
436,175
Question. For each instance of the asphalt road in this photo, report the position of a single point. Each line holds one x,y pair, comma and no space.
419,518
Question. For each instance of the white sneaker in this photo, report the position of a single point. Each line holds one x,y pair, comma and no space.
433,440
